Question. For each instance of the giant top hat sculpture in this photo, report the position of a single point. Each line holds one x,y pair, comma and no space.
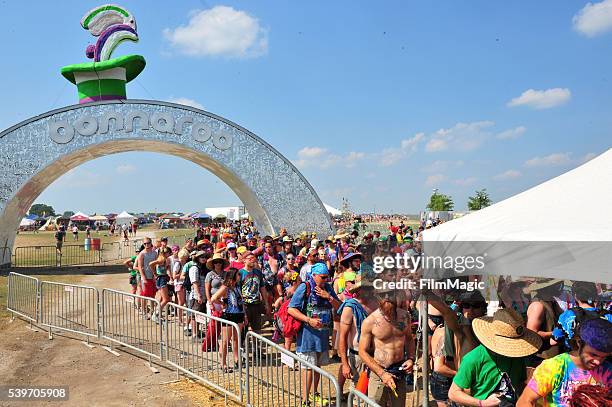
105,77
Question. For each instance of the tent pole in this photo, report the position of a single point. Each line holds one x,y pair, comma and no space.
425,343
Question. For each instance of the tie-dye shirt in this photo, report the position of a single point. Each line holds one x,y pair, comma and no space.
556,379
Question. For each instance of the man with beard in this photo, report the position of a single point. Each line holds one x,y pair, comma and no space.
387,332
556,379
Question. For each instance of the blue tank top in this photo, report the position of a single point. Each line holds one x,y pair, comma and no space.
233,301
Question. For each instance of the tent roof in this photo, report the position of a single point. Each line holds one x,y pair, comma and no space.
200,215
331,210
98,217
124,215
79,216
551,211
26,222
559,216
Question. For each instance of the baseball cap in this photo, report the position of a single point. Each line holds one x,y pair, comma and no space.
231,245
319,269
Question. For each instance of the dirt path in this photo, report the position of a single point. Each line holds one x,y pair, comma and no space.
95,377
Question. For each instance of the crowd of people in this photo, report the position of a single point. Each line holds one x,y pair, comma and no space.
545,345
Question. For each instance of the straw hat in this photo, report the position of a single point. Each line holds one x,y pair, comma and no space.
216,257
341,233
504,333
541,285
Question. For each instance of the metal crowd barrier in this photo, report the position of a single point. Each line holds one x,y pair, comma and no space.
203,358
357,398
36,256
22,296
69,307
128,320
275,376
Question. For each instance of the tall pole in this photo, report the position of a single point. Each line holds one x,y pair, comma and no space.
425,342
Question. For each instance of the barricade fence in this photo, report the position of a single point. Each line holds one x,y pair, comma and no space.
278,377
130,320
358,399
22,296
69,307
215,359
247,367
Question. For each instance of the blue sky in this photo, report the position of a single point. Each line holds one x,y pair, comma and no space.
376,102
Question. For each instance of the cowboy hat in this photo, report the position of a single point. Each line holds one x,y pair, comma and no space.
505,333
341,233
346,259
287,239
197,253
216,257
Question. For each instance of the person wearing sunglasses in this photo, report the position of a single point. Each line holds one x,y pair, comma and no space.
313,303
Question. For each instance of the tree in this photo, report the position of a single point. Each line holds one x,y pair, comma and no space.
479,201
68,214
440,202
42,210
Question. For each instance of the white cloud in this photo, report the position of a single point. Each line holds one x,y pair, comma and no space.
434,180
464,182
594,18
187,102
321,158
461,137
512,133
125,168
220,31
542,99
390,156
510,174
549,160
311,152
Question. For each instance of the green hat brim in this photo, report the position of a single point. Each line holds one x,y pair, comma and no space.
133,64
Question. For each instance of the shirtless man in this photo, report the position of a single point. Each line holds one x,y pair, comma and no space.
387,332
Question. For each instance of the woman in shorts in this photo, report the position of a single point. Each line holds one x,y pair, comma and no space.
162,276
179,278
129,263
229,297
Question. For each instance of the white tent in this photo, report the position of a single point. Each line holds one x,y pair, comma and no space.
124,218
26,222
561,228
331,210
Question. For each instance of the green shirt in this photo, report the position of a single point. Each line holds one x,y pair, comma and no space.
132,271
480,371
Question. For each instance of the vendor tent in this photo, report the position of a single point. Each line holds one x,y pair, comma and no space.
331,210
560,228
200,215
124,218
98,218
79,217
25,222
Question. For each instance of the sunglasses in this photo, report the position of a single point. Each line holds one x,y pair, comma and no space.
323,276
147,243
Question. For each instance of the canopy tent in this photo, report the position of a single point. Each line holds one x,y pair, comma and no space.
124,218
200,215
220,216
551,230
79,217
331,210
34,217
25,222
50,224
98,218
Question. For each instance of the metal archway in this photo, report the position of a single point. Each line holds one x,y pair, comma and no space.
39,150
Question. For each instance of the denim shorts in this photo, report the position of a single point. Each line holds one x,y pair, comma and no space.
439,386
161,281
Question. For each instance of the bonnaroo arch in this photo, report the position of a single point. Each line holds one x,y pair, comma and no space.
39,150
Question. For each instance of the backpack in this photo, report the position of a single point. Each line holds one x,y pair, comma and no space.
187,280
286,325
